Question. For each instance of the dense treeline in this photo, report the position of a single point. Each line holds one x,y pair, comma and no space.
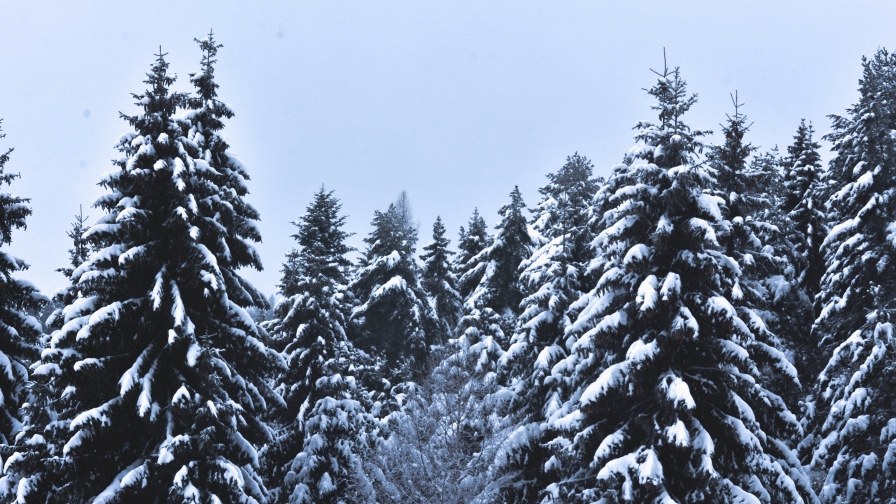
709,324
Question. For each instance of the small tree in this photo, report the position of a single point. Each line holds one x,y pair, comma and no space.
315,456
472,241
20,332
394,320
438,280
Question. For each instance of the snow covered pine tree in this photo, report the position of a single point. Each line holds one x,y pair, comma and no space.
19,331
439,282
852,416
675,410
159,367
471,242
552,278
807,227
394,320
34,456
314,458
495,270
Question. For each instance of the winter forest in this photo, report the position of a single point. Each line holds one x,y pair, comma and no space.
708,324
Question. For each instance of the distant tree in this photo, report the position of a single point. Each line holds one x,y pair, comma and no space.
803,179
472,241
497,266
393,320
438,280
159,369
750,234
552,277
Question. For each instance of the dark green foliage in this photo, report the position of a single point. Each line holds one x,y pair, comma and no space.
158,369
394,320
472,241
19,299
851,421
438,280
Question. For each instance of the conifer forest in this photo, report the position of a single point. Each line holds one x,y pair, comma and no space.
710,323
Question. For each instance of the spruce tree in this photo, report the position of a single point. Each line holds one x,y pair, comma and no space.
763,293
315,455
34,458
393,320
806,226
667,401
803,179
20,332
497,266
438,280
851,417
160,369
553,277
471,242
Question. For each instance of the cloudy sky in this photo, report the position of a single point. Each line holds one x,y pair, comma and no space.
454,102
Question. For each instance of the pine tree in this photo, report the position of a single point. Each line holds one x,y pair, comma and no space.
394,320
160,369
472,241
314,458
851,418
438,280
805,224
553,276
497,266
749,234
21,332
668,403
803,179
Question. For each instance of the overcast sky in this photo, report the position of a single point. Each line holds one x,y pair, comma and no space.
455,102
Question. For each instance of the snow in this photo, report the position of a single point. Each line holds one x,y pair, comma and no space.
677,434
637,253
710,204
640,351
677,391
647,295
611,443
650,470
610,377
671,286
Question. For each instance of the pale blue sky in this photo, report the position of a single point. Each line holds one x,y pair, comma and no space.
454,102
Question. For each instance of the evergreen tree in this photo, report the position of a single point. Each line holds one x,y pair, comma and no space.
472,241
553,276
34,454
803,179
498,265
80,251
394,320
314,458
78,255
805,225
851,416
438,280
159,367
20,332
749,234
667,400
